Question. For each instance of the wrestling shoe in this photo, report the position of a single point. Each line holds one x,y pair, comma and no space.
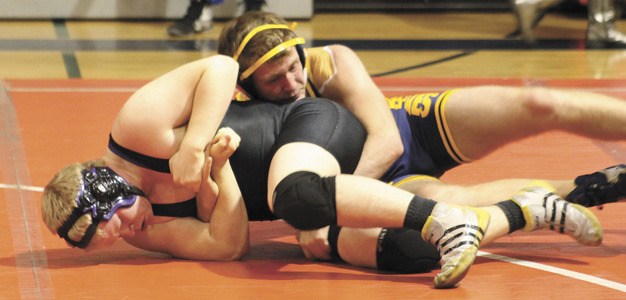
456,231
255,5
605,186
198,18
602,32
544,209
528,14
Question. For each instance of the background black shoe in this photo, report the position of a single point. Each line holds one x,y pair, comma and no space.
198,18
254,5
605,186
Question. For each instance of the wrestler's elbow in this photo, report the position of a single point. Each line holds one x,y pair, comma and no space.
232,252
238,248
393,146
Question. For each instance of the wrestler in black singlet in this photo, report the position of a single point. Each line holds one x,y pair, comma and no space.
264,127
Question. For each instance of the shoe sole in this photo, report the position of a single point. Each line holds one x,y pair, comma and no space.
450,279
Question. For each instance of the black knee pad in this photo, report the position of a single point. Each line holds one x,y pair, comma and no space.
404,251
306,201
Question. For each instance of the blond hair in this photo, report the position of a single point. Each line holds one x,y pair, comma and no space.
236,30
59,199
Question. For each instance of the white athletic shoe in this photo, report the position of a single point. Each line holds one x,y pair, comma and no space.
456,231
544,209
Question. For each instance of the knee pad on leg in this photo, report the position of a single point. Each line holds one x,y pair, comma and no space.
306,201
404,251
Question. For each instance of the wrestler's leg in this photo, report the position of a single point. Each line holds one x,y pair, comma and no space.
398,250
478,195
308,201
359,247
482,119
356,196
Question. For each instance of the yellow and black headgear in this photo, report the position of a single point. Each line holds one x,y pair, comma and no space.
244,80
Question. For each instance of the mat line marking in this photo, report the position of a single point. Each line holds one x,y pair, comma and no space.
31,262
555,270
21,187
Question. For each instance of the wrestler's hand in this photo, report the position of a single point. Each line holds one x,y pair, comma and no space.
186,166
223,145
314,243
207,196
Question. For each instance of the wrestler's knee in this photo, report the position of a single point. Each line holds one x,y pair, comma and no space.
305,200
538,101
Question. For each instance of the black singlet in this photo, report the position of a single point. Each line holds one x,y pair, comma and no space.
264,127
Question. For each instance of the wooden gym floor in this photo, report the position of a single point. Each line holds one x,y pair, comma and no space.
64,80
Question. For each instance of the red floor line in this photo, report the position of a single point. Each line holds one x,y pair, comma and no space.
30,258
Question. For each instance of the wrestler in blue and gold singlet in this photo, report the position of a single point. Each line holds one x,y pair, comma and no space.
428,146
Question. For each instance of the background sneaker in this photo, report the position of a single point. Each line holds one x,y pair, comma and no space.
605,186
198,18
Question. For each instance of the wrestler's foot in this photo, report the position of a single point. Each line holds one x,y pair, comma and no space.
544,209
456,231
604,36
198,18
605,186
529,13
601,30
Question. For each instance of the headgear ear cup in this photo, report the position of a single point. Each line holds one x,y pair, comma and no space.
247,85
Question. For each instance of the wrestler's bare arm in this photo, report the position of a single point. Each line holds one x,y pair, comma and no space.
177,114
226,236
353,88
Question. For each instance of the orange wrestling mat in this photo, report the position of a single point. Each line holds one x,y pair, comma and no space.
47,124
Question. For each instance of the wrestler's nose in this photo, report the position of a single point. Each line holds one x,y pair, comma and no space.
289,82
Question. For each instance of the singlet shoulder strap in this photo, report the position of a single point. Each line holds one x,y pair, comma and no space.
156,164
180,209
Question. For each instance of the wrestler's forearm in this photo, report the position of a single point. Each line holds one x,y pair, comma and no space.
206,197
211,100
379,153
229,221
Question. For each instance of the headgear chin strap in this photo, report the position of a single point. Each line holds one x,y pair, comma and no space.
244,79
103,192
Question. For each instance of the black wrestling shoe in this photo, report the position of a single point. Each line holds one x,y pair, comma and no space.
605,186
254,5
198,18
